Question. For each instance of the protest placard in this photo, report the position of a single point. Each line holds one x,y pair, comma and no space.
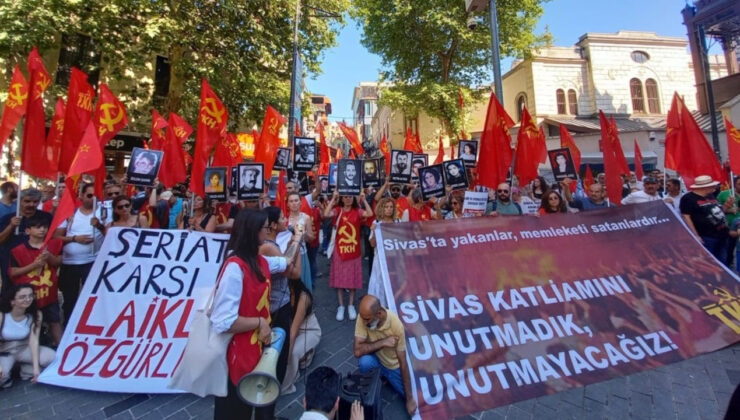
475,202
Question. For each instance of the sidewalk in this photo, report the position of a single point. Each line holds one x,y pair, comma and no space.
699,388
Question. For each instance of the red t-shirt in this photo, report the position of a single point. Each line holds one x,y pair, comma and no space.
348,233
416,215
44,280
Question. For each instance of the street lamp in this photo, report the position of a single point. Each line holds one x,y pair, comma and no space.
478,5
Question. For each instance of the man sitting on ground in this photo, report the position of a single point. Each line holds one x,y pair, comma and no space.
380,342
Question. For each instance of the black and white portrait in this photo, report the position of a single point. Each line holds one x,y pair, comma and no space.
371,173
273,186
401,166
304,154
455,176
324,184
143,166
300,179
282,159
251,181
432,184
418,162
468,152
562,164
349,174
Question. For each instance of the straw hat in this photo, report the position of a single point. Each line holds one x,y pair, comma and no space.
703,181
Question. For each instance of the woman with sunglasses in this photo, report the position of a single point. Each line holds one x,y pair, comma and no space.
456,206
203,219
122,216
20,327
385,212
241,306
552,202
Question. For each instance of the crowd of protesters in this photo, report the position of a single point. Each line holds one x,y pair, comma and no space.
290,236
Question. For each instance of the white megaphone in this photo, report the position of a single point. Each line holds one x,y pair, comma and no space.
261,387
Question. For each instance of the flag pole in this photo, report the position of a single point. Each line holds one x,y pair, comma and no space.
94,210
20,199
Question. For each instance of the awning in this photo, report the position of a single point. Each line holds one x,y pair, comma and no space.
648,158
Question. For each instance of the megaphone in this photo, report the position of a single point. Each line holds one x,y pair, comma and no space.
261,387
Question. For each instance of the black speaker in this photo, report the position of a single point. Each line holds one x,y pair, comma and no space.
364,387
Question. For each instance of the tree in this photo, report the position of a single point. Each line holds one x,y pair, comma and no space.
243,48
430,53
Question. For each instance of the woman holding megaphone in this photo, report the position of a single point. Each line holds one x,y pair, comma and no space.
242,306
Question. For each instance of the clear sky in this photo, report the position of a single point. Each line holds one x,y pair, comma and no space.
348,64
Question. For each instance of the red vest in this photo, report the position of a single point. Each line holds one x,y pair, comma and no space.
316,218
44,280
348,233
245,348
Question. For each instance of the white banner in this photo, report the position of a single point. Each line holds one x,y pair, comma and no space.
475,202
131,321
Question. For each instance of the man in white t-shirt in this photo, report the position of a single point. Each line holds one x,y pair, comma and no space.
82,235
648,193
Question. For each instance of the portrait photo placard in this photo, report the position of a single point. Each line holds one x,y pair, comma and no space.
215,183
251,181
401,166
332,177
300,179
467,150
419,161
282,159
324,184
349,177
233,180
304,154
273,187
371,176
143,166
432,181
562,164
455,175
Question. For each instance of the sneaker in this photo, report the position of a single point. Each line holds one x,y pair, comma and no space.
340,313
352,312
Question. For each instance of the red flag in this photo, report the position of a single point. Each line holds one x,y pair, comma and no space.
323,150
460,100
463,135
33,160
53,146
412,142
495,146
621,159
566,141
65,209
638,162
733,146
282,192
452,151
256,137
530,150
340,154
89,156
110,115
79,111
158,126
212,116
686,148
297,131
15,105
588,179
386,153
266,150
612,166
174,164
228,152
441,153
351,135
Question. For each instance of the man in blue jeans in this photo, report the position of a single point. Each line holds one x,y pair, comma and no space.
380,342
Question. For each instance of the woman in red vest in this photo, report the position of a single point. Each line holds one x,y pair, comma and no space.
242,306
346,264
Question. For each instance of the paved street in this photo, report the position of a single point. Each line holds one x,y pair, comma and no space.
695,389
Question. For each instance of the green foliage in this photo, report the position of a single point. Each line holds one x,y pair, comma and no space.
243,48
429,51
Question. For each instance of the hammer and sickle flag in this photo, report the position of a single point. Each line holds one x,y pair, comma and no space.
34,130
733,146
15,105
212,117
265,150
110,115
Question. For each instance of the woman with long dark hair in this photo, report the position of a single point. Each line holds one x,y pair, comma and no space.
122,215
552,202
242,306
203,220
20,326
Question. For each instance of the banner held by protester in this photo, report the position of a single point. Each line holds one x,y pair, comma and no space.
499,310
132,318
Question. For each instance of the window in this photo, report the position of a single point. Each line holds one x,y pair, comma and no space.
572,102
638,101
162,77
412,123
653,100
78,51
639,56
521,103
560,95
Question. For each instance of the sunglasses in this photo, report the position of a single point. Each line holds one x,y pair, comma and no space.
454,203
503,191
114,194
123,206
89,195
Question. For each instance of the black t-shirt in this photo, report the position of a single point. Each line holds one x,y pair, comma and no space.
13,241
706,214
